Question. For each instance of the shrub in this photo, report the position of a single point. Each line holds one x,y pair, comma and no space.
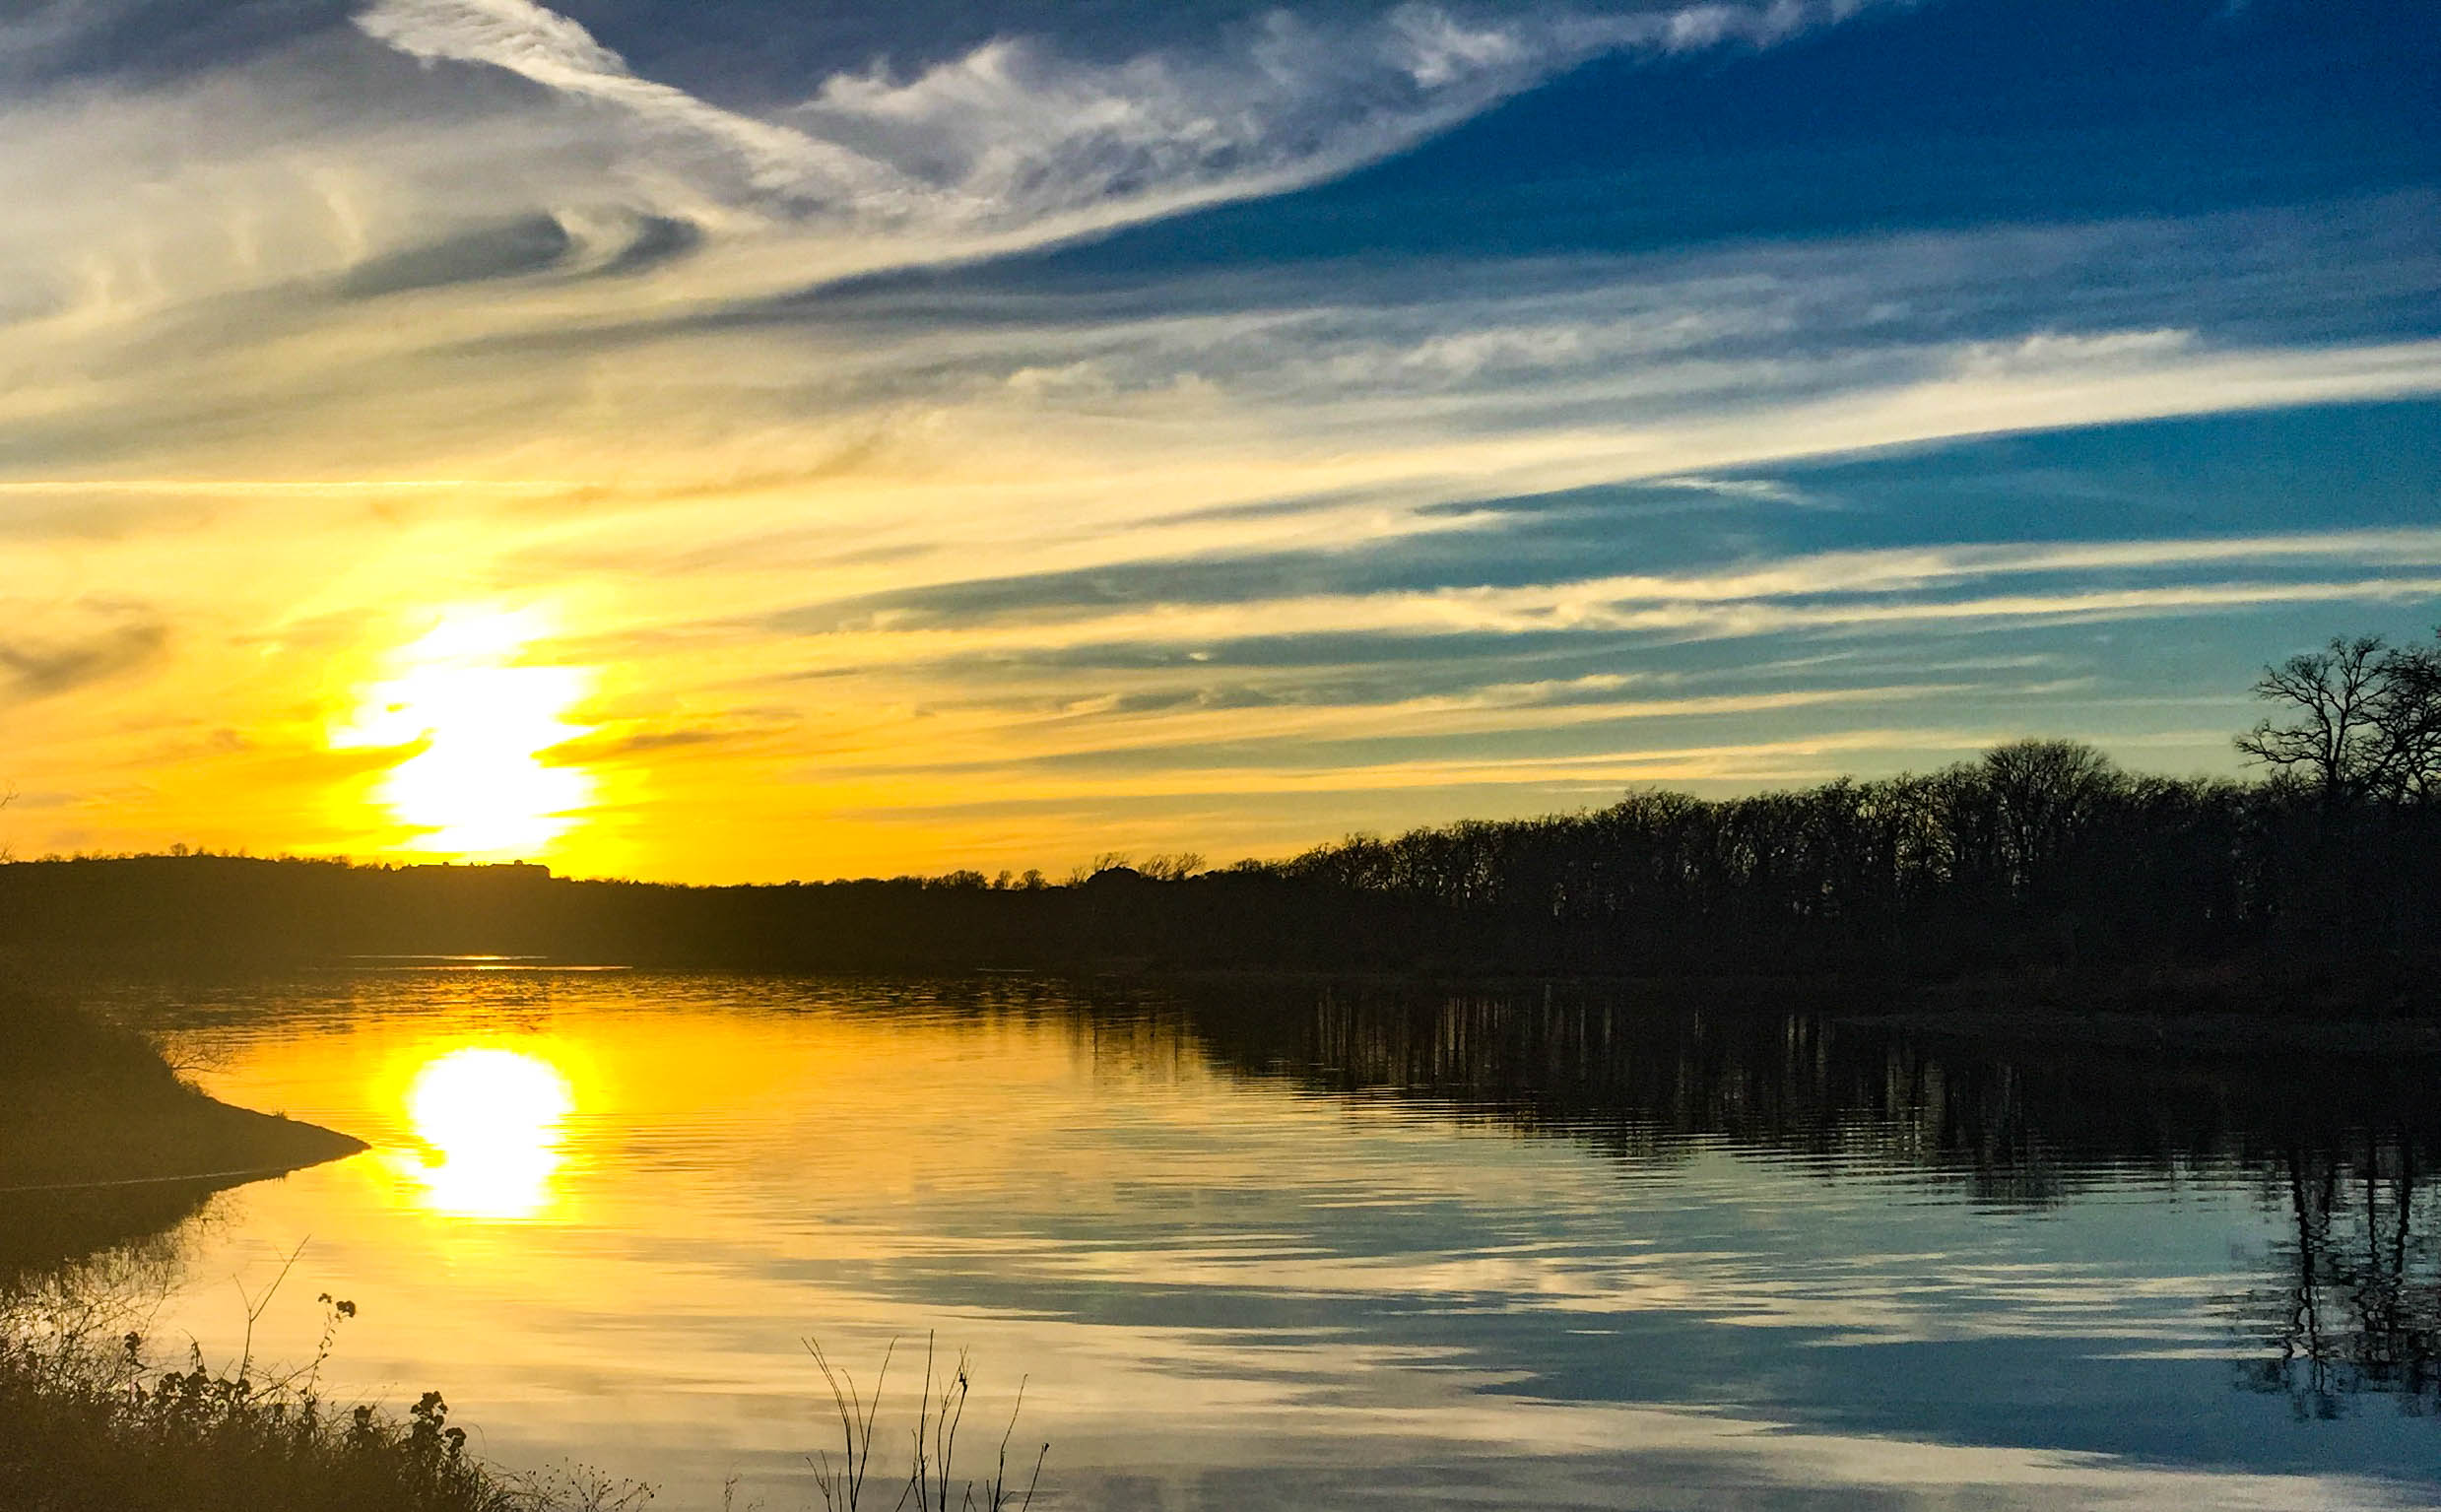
87,1425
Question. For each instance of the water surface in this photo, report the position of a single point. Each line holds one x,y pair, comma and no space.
1293,1249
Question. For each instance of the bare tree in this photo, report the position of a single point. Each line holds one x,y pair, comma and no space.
2335,741
2409,714
1177,868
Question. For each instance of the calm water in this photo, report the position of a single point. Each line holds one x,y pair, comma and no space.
1301,1251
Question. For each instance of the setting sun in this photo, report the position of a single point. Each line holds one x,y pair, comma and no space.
491,1120
477,784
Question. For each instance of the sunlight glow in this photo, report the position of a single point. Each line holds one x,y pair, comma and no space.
491,1121
478,787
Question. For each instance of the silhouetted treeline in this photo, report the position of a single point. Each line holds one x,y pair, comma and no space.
2040,856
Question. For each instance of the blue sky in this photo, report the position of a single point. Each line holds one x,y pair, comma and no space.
736,441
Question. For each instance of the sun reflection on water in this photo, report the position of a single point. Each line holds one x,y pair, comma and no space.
492,1123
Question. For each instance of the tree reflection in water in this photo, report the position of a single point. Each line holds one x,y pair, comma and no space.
2357,1306
2338,1129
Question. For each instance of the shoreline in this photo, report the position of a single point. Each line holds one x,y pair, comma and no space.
86,1170
77,1134
102,1144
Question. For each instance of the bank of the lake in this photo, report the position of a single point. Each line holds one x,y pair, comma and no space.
101,1142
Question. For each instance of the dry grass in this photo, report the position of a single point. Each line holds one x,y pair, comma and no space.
931,1476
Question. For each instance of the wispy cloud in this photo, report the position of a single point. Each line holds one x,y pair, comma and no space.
1013,138
541,44
1861,578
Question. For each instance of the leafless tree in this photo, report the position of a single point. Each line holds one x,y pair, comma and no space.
2409,714
2335,698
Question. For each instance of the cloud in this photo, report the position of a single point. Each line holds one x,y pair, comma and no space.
1256,581
657,741
44,667
490,160
1245,773
1013,131
1190,601
547,47
1602,608
45,40
1765,490
1014,140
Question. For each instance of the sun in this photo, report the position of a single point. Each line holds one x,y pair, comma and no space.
479,718
491,1121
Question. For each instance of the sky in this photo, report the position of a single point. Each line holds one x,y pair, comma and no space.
752,440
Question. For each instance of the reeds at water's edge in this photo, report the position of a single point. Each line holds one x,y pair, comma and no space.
938,1418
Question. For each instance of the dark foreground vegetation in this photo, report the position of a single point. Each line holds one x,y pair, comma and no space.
92,1427
2041,861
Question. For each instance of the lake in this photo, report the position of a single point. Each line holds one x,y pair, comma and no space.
1283,1247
